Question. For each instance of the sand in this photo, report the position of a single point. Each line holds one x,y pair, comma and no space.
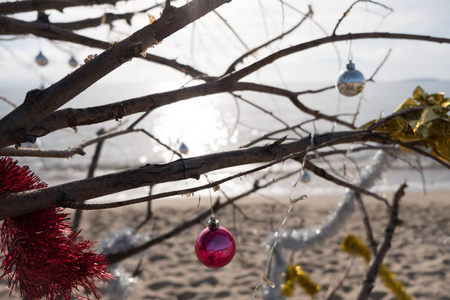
419,256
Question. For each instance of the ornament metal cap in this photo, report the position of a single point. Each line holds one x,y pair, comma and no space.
213,224
350,65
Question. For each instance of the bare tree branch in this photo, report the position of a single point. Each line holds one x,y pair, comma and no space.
379,66
232,67
132,47
116,257
94,163
374,266
336,286
345,14
369,233
39,104
77,191
334,38
10,7
53,32
292,96
324,174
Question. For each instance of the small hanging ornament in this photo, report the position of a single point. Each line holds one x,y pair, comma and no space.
350,82
73,62
215,246
183,148
41,59
305,177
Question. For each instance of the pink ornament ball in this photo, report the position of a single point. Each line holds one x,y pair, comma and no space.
216,247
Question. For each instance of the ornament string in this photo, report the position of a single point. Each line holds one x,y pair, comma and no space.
350,54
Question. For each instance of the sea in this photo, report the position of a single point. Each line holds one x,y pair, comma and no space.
224,122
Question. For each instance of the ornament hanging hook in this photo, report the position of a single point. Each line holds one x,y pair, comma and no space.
210,196
350,54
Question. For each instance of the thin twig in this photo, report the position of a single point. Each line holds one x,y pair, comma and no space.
345,14
116,257
369,233
92,168
375,264
379,66
324,174
333,288
8,101
232,67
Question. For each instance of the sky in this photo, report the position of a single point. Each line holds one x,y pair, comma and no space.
211,47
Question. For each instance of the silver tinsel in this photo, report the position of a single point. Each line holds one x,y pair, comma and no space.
303,238
123,240
119,288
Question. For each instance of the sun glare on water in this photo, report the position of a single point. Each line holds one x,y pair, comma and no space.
199,124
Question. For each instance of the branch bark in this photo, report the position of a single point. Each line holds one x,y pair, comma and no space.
375,265
27,202
52,31
11,7
40,103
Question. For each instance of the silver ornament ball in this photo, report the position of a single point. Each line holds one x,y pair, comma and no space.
183,148
73,62
41,59
306,177
351,82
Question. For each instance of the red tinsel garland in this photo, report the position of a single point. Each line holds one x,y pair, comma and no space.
41,255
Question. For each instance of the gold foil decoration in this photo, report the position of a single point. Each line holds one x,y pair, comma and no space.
295,274
353,245
427,122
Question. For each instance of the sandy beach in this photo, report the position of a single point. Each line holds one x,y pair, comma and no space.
419,255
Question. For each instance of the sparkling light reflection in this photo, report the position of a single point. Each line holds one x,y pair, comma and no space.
198,123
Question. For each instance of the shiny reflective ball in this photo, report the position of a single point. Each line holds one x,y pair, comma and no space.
73,62
183,148
41,59
305,177
215,247
350,82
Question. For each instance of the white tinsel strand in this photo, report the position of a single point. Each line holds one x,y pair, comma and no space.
119,288
308,237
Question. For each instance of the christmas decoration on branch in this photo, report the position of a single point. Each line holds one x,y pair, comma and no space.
41,256
305,177
41,60
183,148
352,244
350,82
215,246
422,118
119,288
309,237
295,274
73,62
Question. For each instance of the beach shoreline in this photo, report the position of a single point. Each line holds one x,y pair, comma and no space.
419,255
